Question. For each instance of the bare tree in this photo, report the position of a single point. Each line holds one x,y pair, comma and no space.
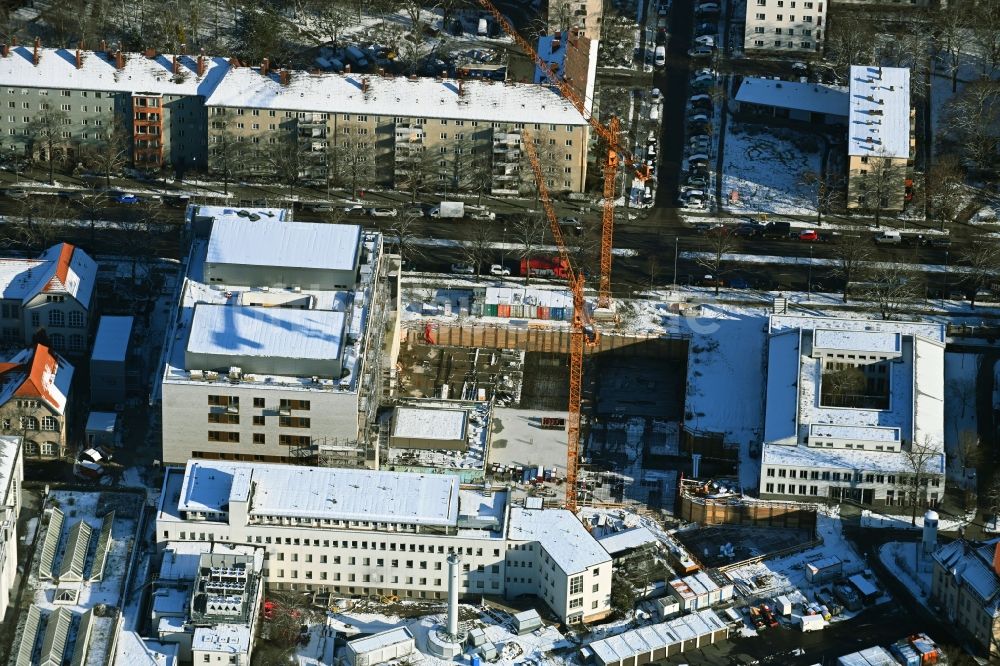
920,460
971,118
286,161
478,250
942,194
985,29
720,243
46,135
850,41
828,191
529,233
851,252
950,39
968,454
983,258
228,157
92,202
42,219
881,185
472,168
330,19
891,289
403,232
351,165
417,172
110,154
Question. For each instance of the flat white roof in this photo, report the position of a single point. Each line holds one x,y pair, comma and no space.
561,534
414,422
882,342
380,640
639,641
810,97
102,422
241,331
618,542
236,214
546,298
131,649
57,69
111,343
879,119
925,329
225,638
857,433
844,459
272,242
324,492
397,96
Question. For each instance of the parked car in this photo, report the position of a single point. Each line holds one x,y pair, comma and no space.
16,194
697,181
320,207
698,138
701,52
698,159
354,209
704,83
414,210
463,269
936,241
701,100
809,235
746,231
655,94
706,28
499,269
739,283
889,238
704,71
382,212
707,9
126,198
705,40
800,67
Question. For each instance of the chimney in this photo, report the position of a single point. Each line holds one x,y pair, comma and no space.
119,60
176,66
284,76
996,559
347,68
37,54
13,40
104,45
461,89
150,53
264,64
201,65
184,48
233,62
381,71
5,50
364,85
79,59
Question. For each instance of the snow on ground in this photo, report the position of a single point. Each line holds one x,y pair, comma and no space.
765,168
910,566
787,574
946,523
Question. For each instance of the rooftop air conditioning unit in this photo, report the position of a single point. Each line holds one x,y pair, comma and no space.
297,289
196,375
211,375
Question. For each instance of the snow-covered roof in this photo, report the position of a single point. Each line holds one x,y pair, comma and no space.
111,343
399,96
226,213
37,373
854,433
618,542
224,638
57,69
379,641
879,119
61,268
883,342
546,298
811,97
782,392
925,329
239,331
556,57
562,536
9,445
270,242
623,647
131,649
844,459
971,564
413,422
324,493
102,422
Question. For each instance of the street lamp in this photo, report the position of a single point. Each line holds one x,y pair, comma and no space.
809,285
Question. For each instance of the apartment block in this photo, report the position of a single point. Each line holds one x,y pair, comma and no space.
966,590
34,394
584,15
854,411
881,138
48,299
390,131
150,105
276,353
353,532
785,26
11,477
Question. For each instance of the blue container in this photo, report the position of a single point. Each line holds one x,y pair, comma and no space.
476,661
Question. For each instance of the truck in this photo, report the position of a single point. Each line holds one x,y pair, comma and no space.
812,623
889,238
356,57
449,209
543,267
776,230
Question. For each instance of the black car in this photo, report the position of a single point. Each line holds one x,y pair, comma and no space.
942,242
747,231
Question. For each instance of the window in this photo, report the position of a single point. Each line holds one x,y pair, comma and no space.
49,423
224,417
759,30
294,404
806,45
29,423
758,42
222,436
258,420
76,319
791,31
58,341
223,401
57,318
761,17
777,31
576,603
807,19
780,17
769,488
576,585
293,421
258,403
294,440
76,343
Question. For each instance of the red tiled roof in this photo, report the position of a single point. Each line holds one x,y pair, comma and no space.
58,281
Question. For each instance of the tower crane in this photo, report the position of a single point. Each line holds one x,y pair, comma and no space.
583,331
616,154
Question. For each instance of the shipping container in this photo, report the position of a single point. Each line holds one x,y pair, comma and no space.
503,311
490,309
542,313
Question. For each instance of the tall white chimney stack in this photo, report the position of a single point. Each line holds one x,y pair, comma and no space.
454,568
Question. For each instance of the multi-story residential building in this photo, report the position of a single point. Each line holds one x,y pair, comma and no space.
966,587
881,137
353,532
403,132
150,107
584,15
11,476
854,410
48,299
785,26
276,350
34,391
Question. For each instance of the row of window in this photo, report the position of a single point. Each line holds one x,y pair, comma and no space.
259,438
258,403
45,106
227,418
805,32
854,477
781,3
41,448
64,93
47,423
779,44
302,115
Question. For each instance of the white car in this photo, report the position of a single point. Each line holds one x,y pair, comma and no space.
707,8
462,269
382,212
704,72
705,40
655,94
701,52
499,269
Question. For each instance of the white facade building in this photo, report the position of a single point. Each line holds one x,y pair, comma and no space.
786,26
353,532
276,350
854,410
11,477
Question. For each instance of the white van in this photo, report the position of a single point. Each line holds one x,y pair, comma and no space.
660,56
654,112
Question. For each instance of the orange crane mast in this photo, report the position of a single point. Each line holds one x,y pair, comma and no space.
616,155
582,331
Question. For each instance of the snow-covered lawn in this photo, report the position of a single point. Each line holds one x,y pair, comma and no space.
765,169
905,561
903,521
